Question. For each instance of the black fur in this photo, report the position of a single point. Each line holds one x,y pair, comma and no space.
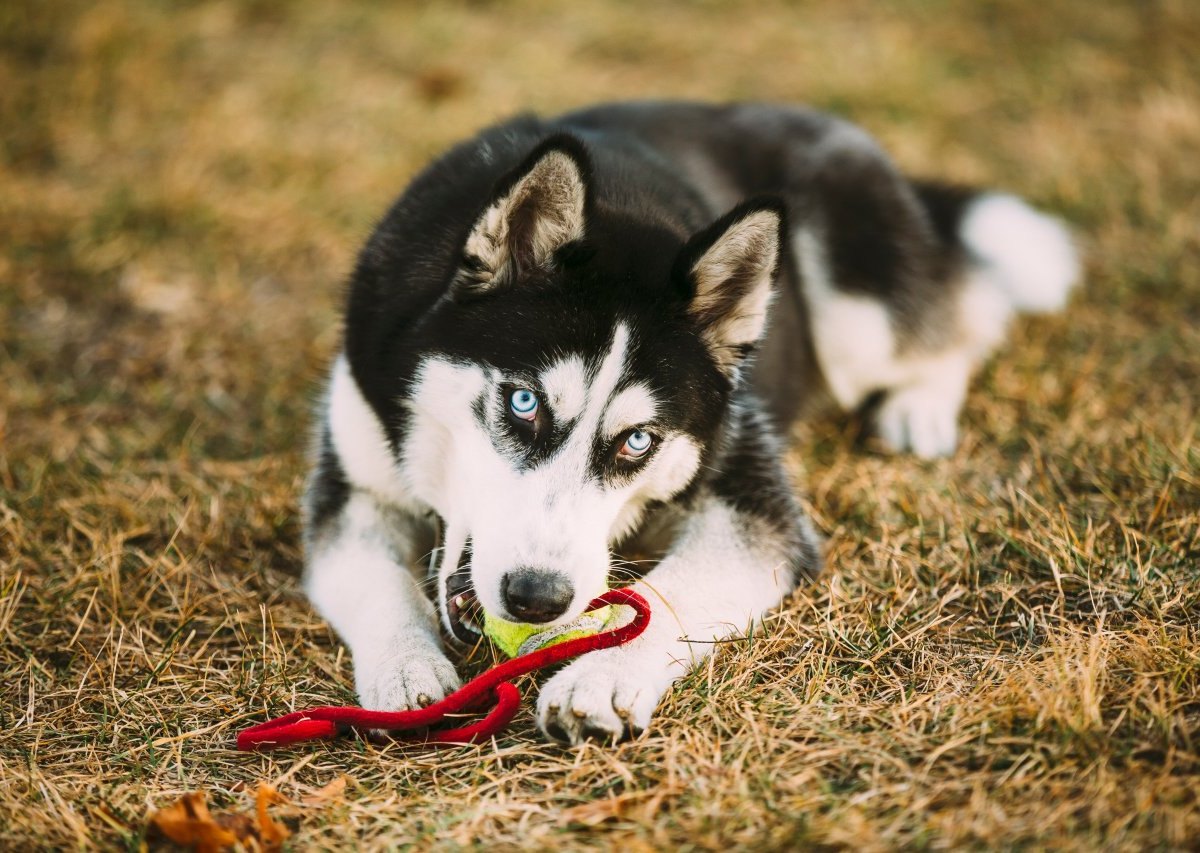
328,490
539,243
657,176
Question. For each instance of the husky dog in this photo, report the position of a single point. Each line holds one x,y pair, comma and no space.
578,338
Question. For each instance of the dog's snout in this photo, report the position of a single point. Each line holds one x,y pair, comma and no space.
536,595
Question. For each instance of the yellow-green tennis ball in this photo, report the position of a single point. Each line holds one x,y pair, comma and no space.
519,638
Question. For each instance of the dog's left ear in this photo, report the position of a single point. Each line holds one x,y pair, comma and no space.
535,211
728,270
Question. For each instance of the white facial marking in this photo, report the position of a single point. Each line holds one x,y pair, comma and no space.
632,407
666,474
672,467
556,514
565,385
605,381
552,515
443,436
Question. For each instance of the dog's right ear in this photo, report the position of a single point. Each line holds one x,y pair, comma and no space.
728,273
536,210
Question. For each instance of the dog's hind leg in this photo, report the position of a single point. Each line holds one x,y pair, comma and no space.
908,287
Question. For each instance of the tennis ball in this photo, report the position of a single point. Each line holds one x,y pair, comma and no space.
519,638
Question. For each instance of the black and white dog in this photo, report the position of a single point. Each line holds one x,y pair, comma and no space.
583,337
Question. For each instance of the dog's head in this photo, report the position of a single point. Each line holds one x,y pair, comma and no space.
575,372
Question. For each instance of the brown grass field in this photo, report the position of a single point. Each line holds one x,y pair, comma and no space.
1005,649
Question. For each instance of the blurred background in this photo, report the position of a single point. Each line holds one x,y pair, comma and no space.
185,183
183,188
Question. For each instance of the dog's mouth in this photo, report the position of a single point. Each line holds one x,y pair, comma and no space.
463,611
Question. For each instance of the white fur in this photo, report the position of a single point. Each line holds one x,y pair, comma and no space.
694,604
922,416
665,475
1030,255
443,442
604,383
853,337
359,576
565,386
360,580
1021,259
358,438
633,406
553,515
984,311
856,349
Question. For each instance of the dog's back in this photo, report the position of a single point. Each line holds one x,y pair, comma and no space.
893,288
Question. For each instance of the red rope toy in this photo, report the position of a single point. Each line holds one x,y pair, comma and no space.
331,721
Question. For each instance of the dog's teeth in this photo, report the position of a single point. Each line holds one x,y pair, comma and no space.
460,600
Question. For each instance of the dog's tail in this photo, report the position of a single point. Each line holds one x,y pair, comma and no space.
1027,254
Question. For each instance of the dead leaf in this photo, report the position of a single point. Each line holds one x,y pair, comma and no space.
327,794
239,824
271,833
189,823
439,83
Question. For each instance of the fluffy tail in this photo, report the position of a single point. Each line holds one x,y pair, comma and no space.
1027,254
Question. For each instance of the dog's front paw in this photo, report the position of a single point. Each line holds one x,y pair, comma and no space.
599,697
406,677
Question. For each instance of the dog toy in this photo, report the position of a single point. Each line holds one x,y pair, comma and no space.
494,686
518,638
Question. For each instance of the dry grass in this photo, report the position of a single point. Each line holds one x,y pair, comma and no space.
1005,649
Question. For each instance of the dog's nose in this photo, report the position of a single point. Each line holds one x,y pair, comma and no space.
536,595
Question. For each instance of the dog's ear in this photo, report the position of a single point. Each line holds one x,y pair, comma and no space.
728,272
535,211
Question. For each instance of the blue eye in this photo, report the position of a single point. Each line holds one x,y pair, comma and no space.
636,444
524,404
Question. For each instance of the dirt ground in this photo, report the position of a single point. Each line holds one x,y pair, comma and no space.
1004,650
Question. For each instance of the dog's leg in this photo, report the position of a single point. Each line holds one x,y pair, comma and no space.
742,549
358,578
1011,258
919,345
362,549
